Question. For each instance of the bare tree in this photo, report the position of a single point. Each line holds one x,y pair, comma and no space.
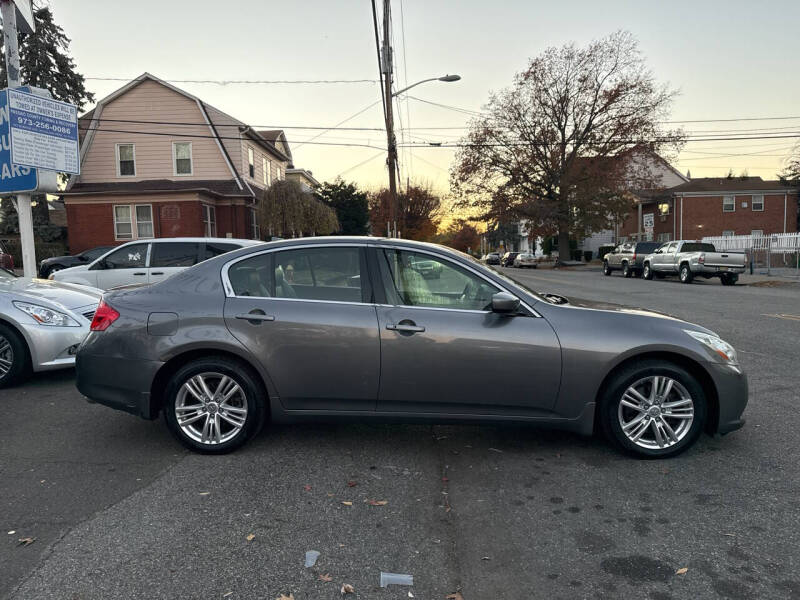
551,148
791,171
417,213
286,210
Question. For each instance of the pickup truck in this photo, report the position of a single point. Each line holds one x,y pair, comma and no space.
689,259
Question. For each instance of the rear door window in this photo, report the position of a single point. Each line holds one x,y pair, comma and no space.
335,274
252,276
127,257
174,254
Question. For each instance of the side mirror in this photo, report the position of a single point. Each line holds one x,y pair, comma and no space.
658,252
505,303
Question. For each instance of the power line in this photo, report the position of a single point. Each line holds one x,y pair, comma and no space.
362,163
353,116
245,81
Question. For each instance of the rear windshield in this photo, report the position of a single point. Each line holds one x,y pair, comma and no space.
697,247
647,246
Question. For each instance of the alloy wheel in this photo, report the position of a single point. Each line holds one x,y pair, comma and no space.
211,408
656,412
6,356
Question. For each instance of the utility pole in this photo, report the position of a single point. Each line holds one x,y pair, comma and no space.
387,69
23,203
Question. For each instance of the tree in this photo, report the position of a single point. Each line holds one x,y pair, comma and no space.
553,147
460,235
417,212
791,172
287,210
350,204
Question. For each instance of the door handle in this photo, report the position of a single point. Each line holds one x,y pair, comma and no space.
405,327
140,274
255,317
157,273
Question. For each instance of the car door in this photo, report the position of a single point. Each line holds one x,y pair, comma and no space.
667,259
613,257
444,351
307,315
168,258
123,266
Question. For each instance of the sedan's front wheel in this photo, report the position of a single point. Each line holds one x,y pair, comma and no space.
14,360
214,405
653,409
647,272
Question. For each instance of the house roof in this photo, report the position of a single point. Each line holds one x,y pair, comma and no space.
729,184
215,187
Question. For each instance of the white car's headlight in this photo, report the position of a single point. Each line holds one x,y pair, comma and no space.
46,316
719,346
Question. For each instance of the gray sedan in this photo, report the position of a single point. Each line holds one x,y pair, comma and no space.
324,328
41,324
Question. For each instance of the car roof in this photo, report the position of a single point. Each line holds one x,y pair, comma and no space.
241,241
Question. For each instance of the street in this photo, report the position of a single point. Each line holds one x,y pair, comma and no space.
117,508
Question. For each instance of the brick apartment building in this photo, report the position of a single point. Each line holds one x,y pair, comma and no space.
714,206
159,162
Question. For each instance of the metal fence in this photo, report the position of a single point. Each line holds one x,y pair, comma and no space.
774,252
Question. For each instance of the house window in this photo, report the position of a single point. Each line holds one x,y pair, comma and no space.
182,157
209,220
728,204
728,233
255,230
265,169
251,163
278,173
133,221
664,237
664,208
126,160
757,233
758,202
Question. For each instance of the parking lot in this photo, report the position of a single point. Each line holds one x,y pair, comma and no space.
117,509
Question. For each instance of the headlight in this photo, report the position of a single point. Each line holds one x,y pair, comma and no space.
719,346
47,316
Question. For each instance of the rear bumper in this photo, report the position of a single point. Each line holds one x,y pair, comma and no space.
122,384
710,270
733,393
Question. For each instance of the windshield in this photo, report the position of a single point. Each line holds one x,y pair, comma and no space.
698,247
502,276
6,274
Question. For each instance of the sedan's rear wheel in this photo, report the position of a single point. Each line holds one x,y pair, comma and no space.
606,268
647,272
14,359
654,409
214,405
626,270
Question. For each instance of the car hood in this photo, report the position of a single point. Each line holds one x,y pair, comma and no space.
52,259
68,295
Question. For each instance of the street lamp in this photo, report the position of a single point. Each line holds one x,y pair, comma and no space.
445,78
392,142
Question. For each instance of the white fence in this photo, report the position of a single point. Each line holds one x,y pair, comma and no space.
777,243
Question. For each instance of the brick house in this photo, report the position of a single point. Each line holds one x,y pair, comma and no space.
714,206
157,161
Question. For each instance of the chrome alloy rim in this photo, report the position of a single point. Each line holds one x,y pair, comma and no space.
6,356
656,412
211,408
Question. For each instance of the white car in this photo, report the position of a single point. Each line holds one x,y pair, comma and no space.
525,260
147,261
42,323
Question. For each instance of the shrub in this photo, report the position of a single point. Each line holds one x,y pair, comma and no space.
587,255
603,250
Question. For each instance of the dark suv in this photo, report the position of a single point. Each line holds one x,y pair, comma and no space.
628,258
508,259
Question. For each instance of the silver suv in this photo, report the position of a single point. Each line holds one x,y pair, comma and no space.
628,258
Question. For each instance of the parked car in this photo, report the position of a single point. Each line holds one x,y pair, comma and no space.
493,258
429,269
6,260
56,263
525,260
508,259
628,258
689,259
249,344
41,324
147,261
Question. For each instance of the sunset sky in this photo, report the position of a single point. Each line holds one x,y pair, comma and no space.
729,61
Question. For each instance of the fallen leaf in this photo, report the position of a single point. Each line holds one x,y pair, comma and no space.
307,488
347,589
285,597
330,495
378,502
410,595
226,594
26,541
251,537
486,558
455,596
204,493
681,571
445,479
12,532
495,450
352,483
326,577
347,503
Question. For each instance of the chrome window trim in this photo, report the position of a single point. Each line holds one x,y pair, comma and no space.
229,293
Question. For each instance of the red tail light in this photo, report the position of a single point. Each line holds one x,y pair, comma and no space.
701,258
634,257
104,316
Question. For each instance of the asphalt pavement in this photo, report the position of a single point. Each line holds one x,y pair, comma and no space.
120,510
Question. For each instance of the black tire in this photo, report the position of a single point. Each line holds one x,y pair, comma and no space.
606,268
248,381
619,383
647,272
15,351
686,274
728,279
626,270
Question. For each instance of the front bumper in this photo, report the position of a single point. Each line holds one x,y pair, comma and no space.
732,392
123,384
53,347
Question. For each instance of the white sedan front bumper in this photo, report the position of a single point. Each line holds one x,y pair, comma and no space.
55,347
